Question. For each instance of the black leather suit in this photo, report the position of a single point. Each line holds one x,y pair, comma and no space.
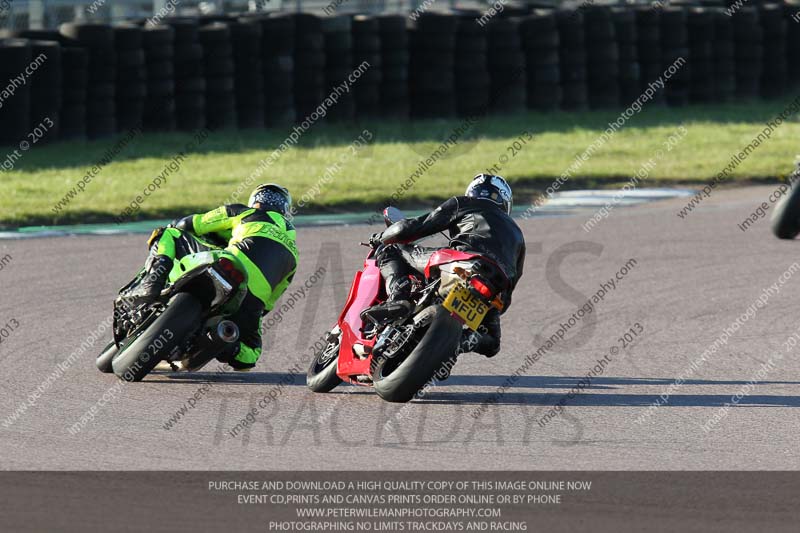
474,225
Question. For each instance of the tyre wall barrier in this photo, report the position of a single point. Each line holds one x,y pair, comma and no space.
252,71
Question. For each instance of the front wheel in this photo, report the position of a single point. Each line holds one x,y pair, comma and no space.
321,375
155,344
785,219
103,361
399,381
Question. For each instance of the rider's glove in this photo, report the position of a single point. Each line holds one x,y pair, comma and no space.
375,240
154,237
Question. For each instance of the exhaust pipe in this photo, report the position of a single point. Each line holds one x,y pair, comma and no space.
227,332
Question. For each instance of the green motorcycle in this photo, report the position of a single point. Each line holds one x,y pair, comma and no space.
187,326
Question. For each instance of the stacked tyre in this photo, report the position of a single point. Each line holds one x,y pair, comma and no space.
648,39
432,44
701,25
540,40
394,65
309,64
75,79
46,89
774,79
248,69
790,14
675,55
724,59
748,39
190,82
278,56
471,71
572,59
339,64
506,62
367,59
602,58
215,39
74,83
131,76
98,39
159,52
630,75
15,112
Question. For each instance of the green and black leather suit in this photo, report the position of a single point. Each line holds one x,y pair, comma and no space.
264,241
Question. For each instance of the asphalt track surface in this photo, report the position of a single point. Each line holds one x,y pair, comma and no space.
692,278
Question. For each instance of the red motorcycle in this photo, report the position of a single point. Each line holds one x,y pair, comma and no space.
399,356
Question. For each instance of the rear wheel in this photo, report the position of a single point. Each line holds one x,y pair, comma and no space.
399,382
786,217
155,344
321,375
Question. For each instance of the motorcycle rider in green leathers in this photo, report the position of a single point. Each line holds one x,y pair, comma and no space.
260,235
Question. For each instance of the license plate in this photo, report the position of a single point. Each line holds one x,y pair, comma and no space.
466,306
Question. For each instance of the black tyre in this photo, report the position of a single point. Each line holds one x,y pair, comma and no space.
158,36
398,381
93,35
321,375
137,360
785,220
103,361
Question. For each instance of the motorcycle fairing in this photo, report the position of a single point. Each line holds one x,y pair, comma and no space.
363,293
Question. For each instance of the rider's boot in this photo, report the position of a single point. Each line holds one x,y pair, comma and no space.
153,283
396,305
488,343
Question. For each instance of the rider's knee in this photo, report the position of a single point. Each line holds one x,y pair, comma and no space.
172,232
387,254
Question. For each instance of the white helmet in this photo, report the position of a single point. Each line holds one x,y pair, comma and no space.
492,188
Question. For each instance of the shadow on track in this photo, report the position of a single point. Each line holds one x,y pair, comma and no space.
229,378
567,382
587,399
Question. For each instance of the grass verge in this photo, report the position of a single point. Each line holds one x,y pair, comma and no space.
329,175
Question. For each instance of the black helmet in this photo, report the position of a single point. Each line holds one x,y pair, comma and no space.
492,188
272,197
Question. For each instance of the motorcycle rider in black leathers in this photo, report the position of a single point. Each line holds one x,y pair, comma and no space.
478,222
